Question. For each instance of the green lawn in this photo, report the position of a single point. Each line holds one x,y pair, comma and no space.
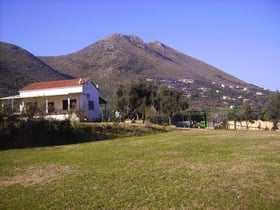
180,169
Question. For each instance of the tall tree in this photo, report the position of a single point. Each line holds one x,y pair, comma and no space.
141,95
134,97
272,109
246,113
172,101
120,98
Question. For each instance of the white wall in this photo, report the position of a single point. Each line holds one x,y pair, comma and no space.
91,93
256,125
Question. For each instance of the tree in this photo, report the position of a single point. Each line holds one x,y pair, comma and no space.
142,98
121,98
272,109
246,113
172,101
135,97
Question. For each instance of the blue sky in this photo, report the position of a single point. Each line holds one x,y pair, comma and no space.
240,37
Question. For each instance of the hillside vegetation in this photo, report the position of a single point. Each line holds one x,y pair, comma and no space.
18,68
182,169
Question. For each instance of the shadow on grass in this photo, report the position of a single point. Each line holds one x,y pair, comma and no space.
39,133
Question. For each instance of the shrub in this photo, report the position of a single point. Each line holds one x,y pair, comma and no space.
16,133
19,134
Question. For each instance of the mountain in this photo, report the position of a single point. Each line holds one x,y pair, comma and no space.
19,67
118,58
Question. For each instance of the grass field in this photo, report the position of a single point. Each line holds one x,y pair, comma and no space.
180,169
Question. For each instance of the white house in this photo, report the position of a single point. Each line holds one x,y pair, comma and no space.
63,99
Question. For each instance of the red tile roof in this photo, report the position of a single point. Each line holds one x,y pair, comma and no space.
55,84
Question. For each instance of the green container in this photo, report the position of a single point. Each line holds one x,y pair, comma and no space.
202,124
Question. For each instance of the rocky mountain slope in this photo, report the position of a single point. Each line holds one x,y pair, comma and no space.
119,57
18,67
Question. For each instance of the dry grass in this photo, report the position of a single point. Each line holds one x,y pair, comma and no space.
35,175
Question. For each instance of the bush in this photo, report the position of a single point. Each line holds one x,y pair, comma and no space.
16,133
19,134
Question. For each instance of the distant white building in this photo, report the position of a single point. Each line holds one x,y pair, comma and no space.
62,99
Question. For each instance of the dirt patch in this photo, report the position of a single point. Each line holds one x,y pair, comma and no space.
136,142
36,175
199,167
275,143
246,168
272,145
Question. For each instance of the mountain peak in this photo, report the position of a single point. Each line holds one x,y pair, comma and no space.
122,36
132,39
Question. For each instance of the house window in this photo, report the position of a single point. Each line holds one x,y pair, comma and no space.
65,104
90,105
50,107
73,104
